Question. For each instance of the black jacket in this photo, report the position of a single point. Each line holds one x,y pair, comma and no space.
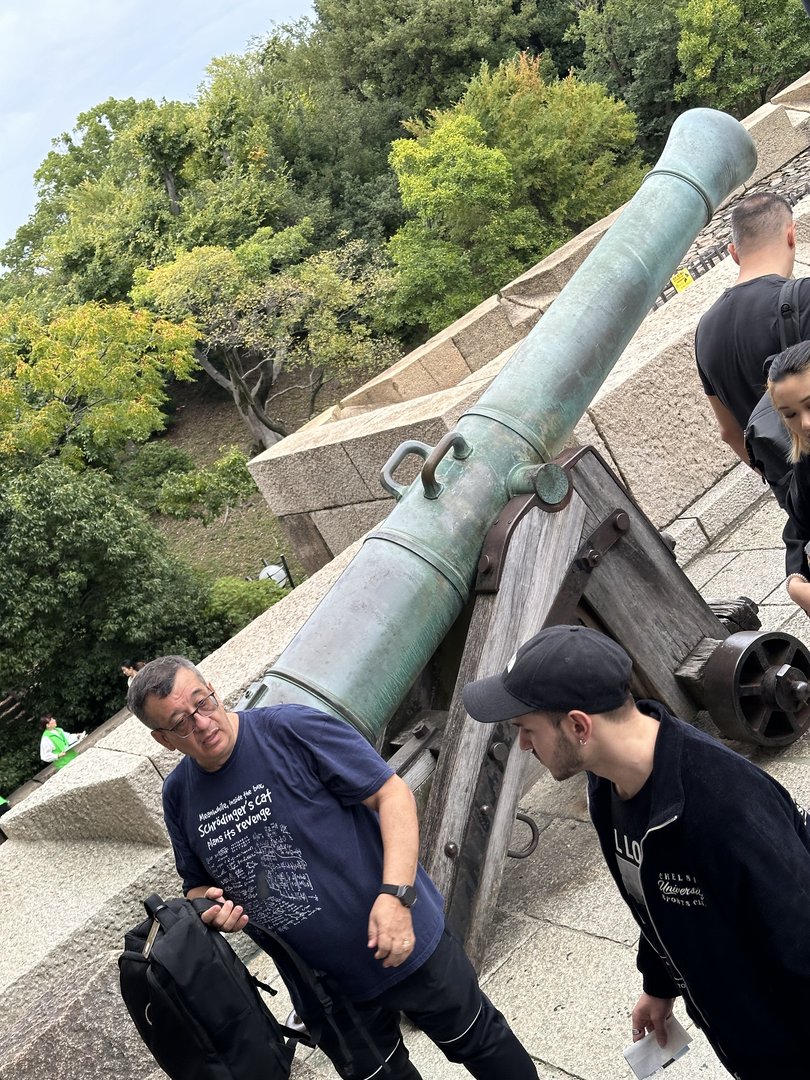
797,530
725,871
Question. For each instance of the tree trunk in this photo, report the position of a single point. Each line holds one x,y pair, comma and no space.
265,431
171,191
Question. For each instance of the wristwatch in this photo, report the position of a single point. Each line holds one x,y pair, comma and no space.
406,894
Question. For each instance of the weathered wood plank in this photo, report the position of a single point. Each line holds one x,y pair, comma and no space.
639,593
492,868
540,552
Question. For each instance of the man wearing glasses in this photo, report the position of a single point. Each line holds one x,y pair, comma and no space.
290,821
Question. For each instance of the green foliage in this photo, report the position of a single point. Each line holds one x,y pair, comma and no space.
20,759
631,48
735,54
572,147
323,313
267,250
204,493
238,602
86,580
140,476
86,381
466,239
422,52
522,162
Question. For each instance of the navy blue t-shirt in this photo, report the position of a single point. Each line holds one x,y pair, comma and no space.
282,830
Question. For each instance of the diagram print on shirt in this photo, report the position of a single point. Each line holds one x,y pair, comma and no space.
257,860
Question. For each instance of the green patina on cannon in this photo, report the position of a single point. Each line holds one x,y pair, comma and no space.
362,648
502,533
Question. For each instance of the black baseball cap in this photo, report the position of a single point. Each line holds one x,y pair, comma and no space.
560,669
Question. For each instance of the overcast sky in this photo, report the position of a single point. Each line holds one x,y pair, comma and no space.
61,57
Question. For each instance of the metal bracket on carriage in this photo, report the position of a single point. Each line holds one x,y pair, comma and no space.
426,734
589,556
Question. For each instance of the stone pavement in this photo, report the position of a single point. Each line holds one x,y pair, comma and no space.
561,963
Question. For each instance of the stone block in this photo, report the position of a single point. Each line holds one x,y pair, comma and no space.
660,430
369,451
777,140
133,737
80,1028
485,332
775,616
308,471
426,419
797,95
586,433
342,526
733,496
71,900
567,882
436,365
102,795
690,539
761,527
749,573
309,546
705,567
559,977
546,798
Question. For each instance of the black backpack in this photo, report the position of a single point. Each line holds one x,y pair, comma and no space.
195,1004
766,437
198,1009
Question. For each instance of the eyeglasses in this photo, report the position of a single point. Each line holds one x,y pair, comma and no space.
186,725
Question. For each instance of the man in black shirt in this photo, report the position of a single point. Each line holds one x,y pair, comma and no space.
741,330
711,854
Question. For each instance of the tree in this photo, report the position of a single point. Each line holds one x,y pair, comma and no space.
133,182
736,54
285,96
319,316
86,580
465,238
422,52
631,48
204,493
520,164
86,381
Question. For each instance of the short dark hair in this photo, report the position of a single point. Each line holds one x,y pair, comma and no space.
758,220
795,360
156,679
613,715
45,719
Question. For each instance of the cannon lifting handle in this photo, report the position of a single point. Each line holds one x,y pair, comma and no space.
453,440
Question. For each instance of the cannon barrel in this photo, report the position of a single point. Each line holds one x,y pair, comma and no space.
371,635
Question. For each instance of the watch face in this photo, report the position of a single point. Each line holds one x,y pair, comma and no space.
407,895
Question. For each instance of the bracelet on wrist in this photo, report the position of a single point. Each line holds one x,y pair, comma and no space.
792,577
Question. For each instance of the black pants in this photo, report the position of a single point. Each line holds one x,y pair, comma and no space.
444,1000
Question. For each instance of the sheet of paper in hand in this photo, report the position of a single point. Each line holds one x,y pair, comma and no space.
646,1057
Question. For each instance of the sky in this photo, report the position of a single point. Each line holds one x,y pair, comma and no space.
61,57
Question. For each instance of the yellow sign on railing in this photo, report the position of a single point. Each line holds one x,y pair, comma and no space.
682,279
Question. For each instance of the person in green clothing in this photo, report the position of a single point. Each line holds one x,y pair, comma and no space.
56,745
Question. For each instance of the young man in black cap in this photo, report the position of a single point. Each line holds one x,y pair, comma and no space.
709,852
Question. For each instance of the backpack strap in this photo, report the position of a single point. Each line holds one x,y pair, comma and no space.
309,982
789,330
